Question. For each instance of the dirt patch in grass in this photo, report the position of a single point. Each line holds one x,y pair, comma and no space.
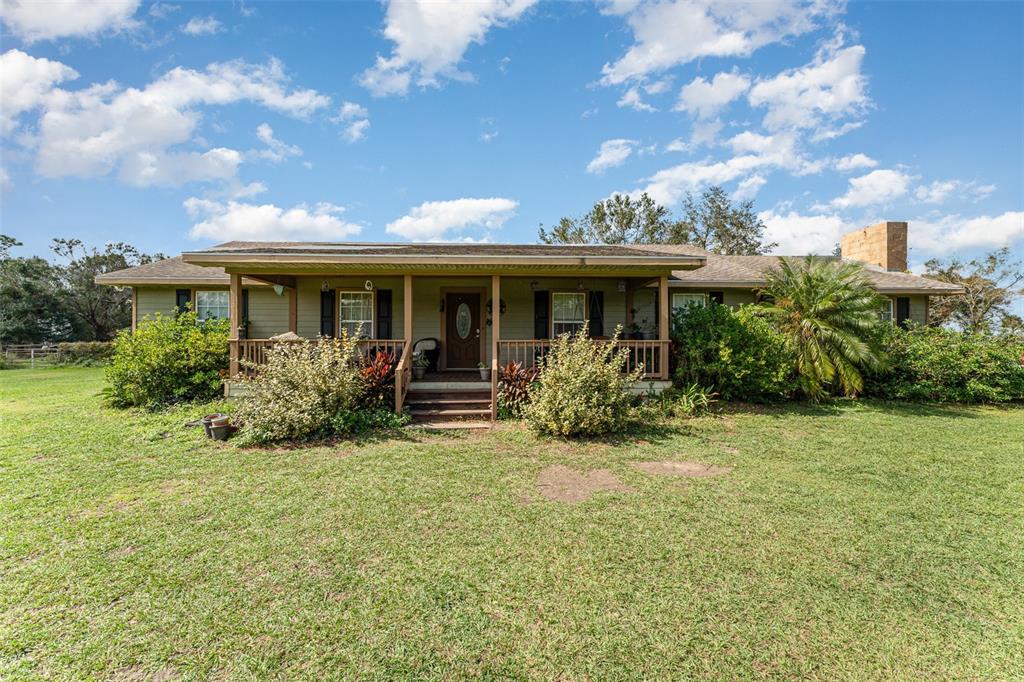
687,469
562,484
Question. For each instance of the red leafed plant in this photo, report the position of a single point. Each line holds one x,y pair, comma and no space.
514,382
379,380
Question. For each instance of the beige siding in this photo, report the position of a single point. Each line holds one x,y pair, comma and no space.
919,309
268,312
153,300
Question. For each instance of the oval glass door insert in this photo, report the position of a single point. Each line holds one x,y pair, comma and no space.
463,320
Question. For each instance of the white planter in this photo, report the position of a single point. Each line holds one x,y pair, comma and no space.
485,375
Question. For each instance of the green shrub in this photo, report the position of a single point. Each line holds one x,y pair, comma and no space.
689,401
166,360
581,390
735,354
366,419
86,353
305,390
942,365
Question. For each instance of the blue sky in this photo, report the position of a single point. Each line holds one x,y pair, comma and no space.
176,125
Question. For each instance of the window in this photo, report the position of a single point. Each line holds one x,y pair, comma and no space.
680,301
568,312
885,312
355,313
212,304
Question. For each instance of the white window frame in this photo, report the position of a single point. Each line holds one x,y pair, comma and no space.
577,324
368,325
688,298
887,316
200,305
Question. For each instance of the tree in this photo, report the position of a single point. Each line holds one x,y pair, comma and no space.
97,311
31,305
990,286
618,220
712,222
829,313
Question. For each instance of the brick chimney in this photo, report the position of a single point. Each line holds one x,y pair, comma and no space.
883,245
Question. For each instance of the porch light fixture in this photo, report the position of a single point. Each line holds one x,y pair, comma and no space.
279,289
325,285
501,306
622,287
368,285
533,285
579,285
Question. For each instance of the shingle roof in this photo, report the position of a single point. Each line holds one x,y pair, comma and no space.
749,271
167,271
456,249
722,271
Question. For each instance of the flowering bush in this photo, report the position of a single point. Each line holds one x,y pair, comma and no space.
166,360
303,391
581,389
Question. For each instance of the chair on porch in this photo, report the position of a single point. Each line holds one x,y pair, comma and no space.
431,350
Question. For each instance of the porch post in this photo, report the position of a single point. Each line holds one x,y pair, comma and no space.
293,309
235,315
495,337
135,307
663,324
407,310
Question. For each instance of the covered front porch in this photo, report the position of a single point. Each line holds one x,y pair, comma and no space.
457,317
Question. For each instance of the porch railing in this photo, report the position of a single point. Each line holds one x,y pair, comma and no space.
650,354
252,352
403,377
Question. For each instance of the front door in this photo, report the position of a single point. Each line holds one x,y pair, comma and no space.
462,330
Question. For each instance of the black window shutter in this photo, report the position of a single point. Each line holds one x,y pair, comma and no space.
717,297
596,313
327,313
902,310
540,314
182,297
384,313
245,305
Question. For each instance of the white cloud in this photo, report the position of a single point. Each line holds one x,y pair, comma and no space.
937,192
32,20
202,26
612,153
430,38
25,82
437,220
634,100
670,33
955,232
831,87
677,145
160,10
357,118
877,187
705,98
853,162
798,234
276,151
237,220
91,132
5,181
356,130
749,187
144,168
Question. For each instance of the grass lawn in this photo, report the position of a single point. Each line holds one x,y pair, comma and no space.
860,541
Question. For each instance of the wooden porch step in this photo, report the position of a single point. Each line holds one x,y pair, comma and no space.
451,401
448,412
448,425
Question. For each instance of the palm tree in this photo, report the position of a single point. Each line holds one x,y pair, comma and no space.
829,313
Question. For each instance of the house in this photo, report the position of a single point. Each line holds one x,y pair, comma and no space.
479,305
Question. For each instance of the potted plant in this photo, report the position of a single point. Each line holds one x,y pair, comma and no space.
485,371
634,332
419,365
